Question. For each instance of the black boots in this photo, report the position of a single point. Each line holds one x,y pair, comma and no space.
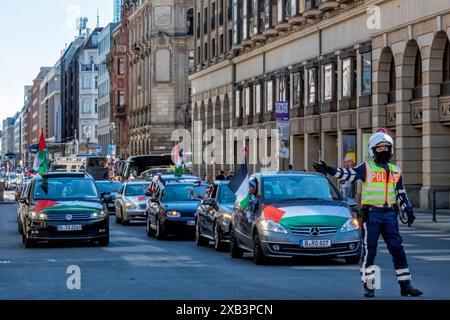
406,289
368,293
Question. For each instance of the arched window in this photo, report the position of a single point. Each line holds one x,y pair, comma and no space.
446,70
417,92
392,82
190,22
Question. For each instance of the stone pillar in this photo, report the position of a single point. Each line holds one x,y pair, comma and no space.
298,152
312,151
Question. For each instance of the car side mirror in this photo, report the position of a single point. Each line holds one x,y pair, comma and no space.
351,202
209,202
106,197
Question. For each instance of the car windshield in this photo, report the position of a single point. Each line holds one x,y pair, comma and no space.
109,187
182,192
136,190
65,188
226,196
286,188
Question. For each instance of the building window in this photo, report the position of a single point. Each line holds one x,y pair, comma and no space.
392,83
328,83
235,22
86,82
269,95
213,16
221,44
417,92
96,106
347,78
267,14
247,100
213,48
190,22
245,19
257,98
121,98
191,61
238,103
121,66
96,82
205,57
297,89
366,77
311,4
86,107
446,63
312,86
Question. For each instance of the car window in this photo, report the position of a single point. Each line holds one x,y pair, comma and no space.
65,188
226,196
182,193
135,190
284,188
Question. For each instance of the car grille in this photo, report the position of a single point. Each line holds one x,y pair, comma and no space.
143,206
306,231
76,216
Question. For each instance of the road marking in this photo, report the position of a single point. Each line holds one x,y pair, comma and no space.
430,235
139,248
5,261
433,258
423,251
128,239
328,268
444,238
140,260
413,231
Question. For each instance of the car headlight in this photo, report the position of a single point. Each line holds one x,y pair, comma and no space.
98,214
272,226
350,225
227,216
38,216
130,205
173,214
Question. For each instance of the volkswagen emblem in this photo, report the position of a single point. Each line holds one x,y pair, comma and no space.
69,217
314,231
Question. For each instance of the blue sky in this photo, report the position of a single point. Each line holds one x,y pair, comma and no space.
33,34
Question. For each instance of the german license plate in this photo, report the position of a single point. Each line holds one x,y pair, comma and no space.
316,244
190,223
73,227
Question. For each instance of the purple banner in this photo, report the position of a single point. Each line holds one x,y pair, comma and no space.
282,111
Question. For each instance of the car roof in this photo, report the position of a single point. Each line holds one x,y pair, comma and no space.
289,174
221,182
140,182
55,175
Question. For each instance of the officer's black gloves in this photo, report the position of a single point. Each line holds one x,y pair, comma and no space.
411,217
321,167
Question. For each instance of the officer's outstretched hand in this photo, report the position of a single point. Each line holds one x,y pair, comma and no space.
411,218
321,167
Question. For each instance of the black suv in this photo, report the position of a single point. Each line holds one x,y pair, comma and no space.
61,207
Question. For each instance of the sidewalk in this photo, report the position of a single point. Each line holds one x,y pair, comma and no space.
424,220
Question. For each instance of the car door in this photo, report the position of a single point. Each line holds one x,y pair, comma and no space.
119,201
247,219
210,214
154,207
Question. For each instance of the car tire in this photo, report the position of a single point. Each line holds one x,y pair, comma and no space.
199,239
353,259
19,227
150,231
160,234
235,251
119,217
258,254
104,242
29,243
218,244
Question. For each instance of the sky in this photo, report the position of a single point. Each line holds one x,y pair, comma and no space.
33,34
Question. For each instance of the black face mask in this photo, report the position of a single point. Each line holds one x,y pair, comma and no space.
383,157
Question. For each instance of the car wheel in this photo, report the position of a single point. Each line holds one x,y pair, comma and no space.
258,254
199,239
218,244
104,242
160,234
352,259
118,217
150,231
235,250
19,227
29,243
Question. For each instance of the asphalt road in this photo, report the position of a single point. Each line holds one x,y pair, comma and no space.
136,267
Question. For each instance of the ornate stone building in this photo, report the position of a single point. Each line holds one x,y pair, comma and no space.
161,44
345,67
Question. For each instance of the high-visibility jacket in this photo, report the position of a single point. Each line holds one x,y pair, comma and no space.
378,189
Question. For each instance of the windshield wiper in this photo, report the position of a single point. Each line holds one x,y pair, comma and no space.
305,199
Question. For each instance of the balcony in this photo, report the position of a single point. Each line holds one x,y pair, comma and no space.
282,26
297,21
328,5
268,33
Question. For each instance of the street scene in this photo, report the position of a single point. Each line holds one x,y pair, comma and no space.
226,150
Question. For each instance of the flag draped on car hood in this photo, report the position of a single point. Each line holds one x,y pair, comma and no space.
239,185
40,160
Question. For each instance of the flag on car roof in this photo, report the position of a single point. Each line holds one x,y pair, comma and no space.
40,160
239,185
179,160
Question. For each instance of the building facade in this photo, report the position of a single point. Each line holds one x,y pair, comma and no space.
344,67
118,66
105,114
117,10
8,135
161,44
50,99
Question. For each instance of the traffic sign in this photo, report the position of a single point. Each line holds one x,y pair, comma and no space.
99,149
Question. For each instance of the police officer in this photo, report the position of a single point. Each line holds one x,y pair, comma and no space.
381,188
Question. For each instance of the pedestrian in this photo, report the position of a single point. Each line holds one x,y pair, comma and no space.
220,176
382,187
230,175
291,168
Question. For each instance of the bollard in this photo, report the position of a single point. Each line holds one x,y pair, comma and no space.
2,191
434,206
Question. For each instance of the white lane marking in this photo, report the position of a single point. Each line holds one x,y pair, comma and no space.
128,239
161,261
423,251
430,235
444,238
412,231
433,258
328,268
5,261
135,249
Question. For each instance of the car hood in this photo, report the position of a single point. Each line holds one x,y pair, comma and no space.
289,215
48,206
184,207
227,208
138,199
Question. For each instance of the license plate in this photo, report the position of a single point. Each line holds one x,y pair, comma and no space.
73,227
190,223
316,244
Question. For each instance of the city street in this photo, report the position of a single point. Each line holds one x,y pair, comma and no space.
137,267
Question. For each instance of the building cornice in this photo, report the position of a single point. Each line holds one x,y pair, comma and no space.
213,68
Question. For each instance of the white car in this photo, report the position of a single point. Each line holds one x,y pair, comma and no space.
131,202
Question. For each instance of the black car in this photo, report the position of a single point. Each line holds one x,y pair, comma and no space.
214,215
64,207
171,209
112,188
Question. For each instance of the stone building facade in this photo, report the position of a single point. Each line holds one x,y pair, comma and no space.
161,45
345,67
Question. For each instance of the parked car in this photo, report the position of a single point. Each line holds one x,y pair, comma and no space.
172,209
298,214
213,217
64,207
131,202
21,207
112,188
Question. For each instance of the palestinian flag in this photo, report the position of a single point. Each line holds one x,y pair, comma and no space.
239,185
40,160
179,160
